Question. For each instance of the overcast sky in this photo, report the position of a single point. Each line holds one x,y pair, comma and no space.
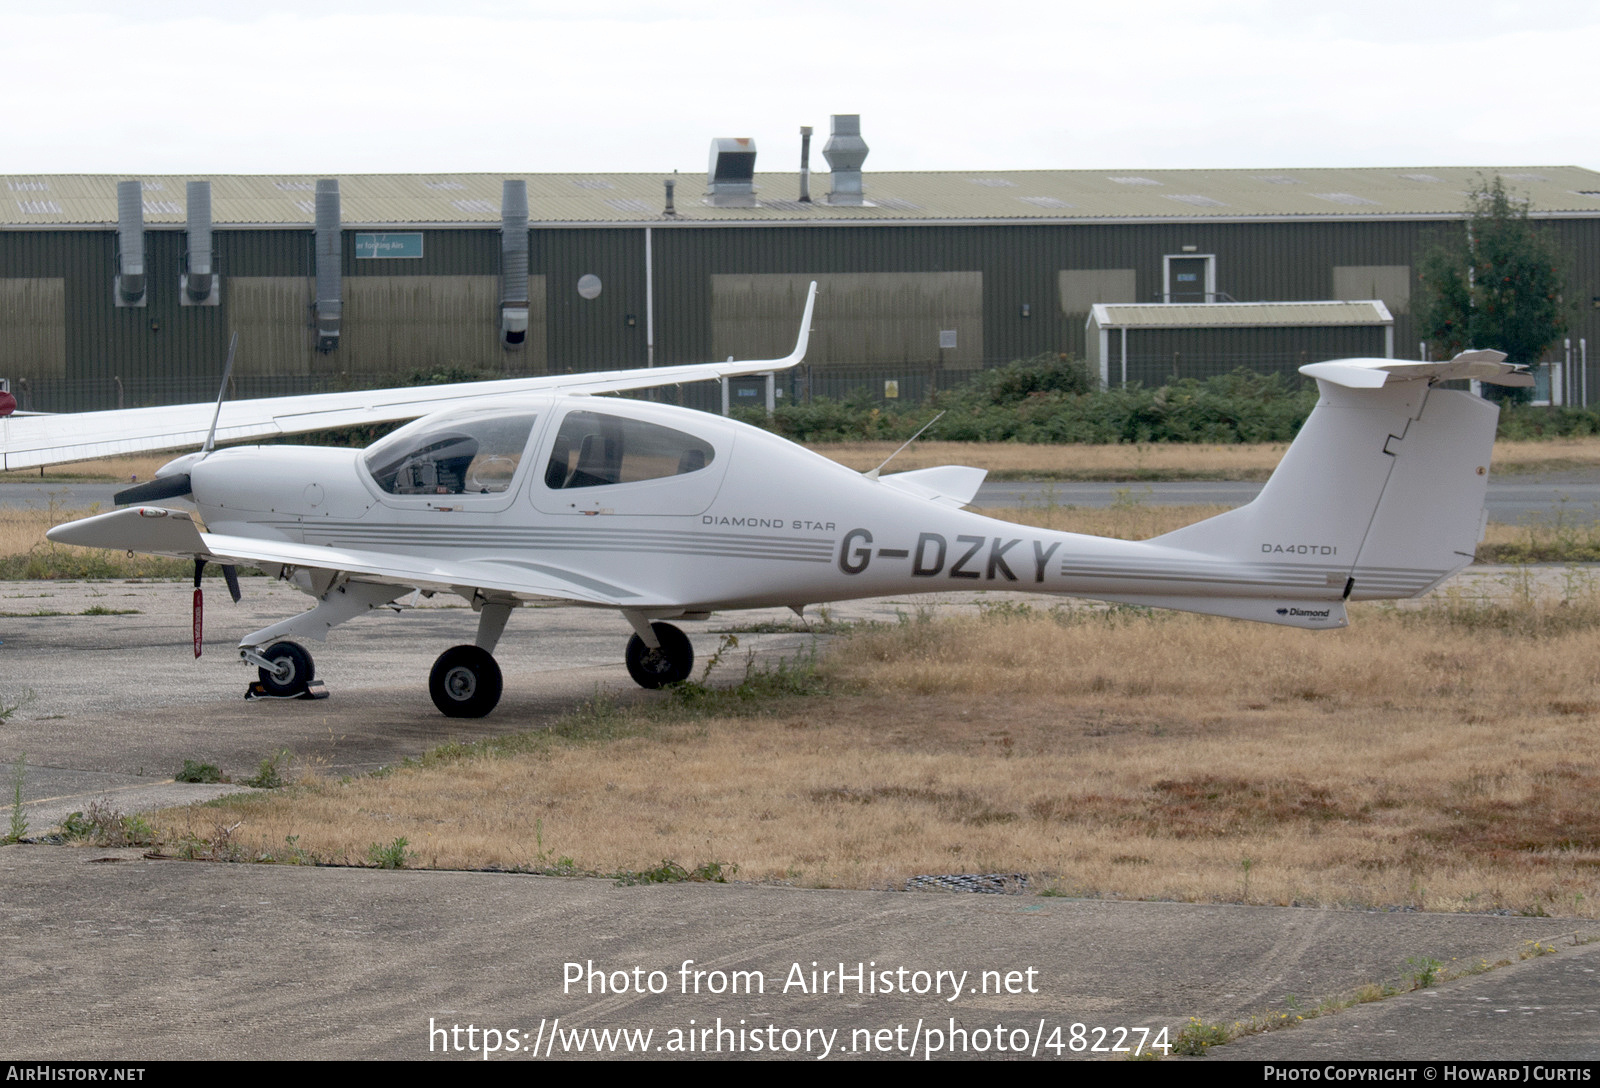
358,86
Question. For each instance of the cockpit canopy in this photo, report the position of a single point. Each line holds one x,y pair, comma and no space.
594,449
463,453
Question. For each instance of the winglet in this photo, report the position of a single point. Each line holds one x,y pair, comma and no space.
804,338
1483,366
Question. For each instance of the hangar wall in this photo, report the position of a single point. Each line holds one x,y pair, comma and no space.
1009,290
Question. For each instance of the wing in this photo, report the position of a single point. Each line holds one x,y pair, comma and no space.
155,530
53,439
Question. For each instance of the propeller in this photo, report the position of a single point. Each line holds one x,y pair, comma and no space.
177,484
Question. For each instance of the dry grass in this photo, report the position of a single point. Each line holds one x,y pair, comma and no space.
109,469
1414,761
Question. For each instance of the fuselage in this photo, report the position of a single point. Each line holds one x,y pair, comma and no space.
677,508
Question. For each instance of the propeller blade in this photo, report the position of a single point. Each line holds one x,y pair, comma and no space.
176,486
230,574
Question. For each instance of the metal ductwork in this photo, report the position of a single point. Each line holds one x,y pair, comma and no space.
330,249
198,283
845,152
805,164
513,263
129,285
730,176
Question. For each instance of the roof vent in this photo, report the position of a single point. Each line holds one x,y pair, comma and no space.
730,176
330,252
129,283
198,286
513,264
845,152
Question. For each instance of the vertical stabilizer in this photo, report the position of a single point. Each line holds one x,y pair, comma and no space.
1380,496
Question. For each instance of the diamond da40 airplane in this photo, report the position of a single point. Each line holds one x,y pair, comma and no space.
525,490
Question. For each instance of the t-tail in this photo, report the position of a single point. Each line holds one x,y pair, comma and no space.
1380,496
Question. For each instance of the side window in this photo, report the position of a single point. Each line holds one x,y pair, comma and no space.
466,454
594,450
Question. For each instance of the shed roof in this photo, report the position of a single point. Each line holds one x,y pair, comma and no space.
1026,196
1238,315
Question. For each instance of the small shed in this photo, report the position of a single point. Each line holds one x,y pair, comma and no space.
1154,343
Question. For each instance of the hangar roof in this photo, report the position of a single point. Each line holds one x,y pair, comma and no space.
1025,196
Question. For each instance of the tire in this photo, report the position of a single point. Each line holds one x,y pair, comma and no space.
465,682
671,664
294,672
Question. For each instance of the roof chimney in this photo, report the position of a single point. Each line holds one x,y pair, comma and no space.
730,176
805,164
845,152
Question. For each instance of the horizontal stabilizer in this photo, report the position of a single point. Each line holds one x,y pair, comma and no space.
1483,366
948,485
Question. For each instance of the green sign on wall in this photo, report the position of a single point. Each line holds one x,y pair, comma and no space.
388,246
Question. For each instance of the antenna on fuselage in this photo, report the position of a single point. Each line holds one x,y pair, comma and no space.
873,475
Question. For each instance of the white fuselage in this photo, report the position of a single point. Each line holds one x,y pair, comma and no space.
764,522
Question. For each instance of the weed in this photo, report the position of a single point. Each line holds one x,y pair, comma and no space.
670,872
1197,1037
1425,971
219,846
13,702
199,772
104,825
1535,949
19,824
267,776
393,856
729,642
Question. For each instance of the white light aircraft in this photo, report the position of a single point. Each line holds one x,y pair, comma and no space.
530,490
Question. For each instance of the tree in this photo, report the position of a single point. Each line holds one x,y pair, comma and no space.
1500,283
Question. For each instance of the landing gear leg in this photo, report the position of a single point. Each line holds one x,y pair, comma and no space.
465,682
669,662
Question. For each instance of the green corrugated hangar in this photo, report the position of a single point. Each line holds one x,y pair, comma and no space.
125,290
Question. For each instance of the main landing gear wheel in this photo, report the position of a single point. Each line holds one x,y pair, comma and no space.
465,682
293,670
658,668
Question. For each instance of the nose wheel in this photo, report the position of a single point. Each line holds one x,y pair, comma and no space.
292,670
465,682
670,664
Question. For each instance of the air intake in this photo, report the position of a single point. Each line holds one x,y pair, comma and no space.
513,263
730,176
330,250
129,285
198,283
845,152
